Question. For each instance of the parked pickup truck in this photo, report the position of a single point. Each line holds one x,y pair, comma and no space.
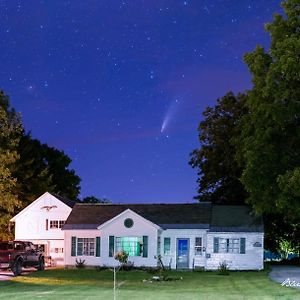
15,255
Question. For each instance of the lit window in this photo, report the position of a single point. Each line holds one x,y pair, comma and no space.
130,245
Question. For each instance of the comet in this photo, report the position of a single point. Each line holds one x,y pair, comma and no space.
169,116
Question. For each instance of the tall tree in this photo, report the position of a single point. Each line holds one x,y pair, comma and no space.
43,168
38,167
31,171
215,160
10,130
270,139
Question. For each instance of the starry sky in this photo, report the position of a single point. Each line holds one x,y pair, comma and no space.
120,86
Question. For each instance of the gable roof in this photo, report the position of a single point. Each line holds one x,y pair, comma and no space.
163,215
124,213
169,216
67,202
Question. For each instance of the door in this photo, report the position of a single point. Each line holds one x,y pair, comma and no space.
183,246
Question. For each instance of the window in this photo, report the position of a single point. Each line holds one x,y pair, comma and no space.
229,245
131,245
54,224
128,223
198,246
61,223
167,246
86,246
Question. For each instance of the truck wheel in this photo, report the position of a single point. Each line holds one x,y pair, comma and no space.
41,266
17,269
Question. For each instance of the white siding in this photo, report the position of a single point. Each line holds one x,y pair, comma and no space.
116,228
89,260
251,260
30,225
191,234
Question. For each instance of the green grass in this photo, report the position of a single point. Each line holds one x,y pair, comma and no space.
91,284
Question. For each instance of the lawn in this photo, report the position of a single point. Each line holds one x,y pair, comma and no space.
92,284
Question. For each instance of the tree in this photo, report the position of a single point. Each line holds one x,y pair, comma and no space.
215,160
264,137
65,180
42,168
32,171
269,147
10,129
38,167
93,199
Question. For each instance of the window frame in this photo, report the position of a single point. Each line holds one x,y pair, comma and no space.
229,245
167,250
85,246
56,224
198,248
131,243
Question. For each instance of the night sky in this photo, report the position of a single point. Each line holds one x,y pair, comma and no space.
120,85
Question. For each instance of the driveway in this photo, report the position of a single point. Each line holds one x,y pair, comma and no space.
288,276
8,275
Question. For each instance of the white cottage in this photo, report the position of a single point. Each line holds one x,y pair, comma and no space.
41,223
185,236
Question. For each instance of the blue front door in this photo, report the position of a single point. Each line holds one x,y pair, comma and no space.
183,253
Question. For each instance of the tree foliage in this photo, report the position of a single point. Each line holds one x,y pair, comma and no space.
10,129
49,170
28,167
218,170
256,138
270,139
93,199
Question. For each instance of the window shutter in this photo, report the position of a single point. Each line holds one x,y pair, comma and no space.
111,245
242,245
73,246
216,245
98,245
145,246
47,224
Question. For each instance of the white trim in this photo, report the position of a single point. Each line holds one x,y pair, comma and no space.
123,213
13,219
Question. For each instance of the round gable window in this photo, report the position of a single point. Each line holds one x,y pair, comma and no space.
128,223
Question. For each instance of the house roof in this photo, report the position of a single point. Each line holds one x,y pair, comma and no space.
178,216
66,201
235,217
92,215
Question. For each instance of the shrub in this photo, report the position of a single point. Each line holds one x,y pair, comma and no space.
223,268
127,266
80,264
